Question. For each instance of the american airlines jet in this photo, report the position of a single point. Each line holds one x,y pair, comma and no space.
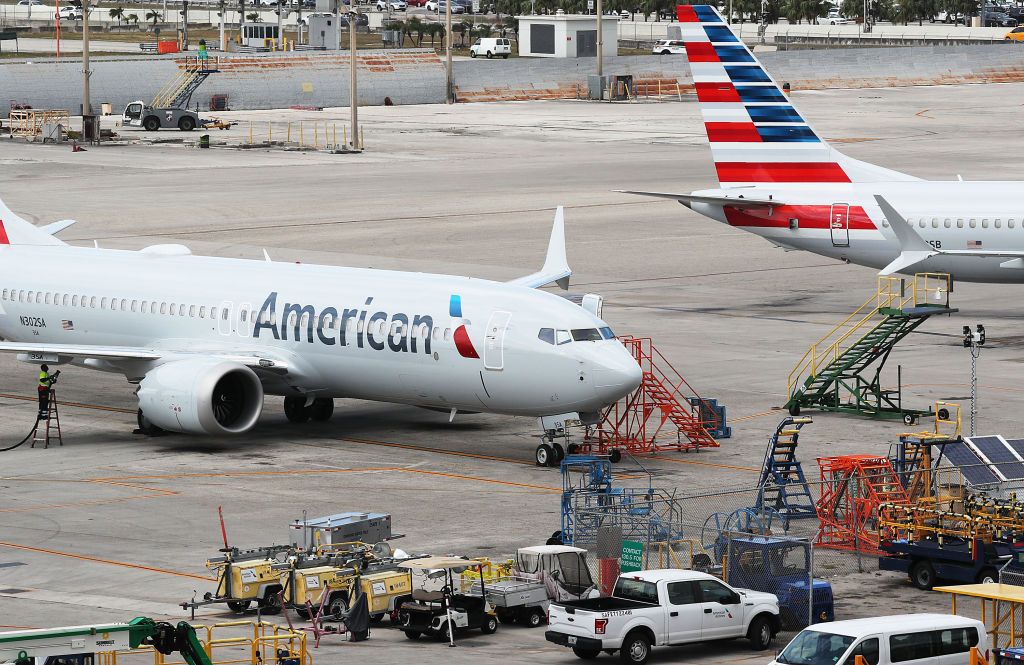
780,180
205,338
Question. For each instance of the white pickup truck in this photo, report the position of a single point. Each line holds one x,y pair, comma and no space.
662,607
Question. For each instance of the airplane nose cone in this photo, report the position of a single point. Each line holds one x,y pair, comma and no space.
617,377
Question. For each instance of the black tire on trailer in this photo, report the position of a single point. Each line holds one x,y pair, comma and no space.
533,617
239,606
270,604
922,575
909,419
615,456
413,634
489,626
573,448
504,615
337,604
794,409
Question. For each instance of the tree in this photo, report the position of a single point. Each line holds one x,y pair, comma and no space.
484,30
462,27
117,13
133,19
154,16
253,17
418,27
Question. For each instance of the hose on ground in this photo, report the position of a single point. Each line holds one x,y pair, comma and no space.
27,437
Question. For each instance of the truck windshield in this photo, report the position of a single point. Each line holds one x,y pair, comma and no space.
811,647
631,589
790,561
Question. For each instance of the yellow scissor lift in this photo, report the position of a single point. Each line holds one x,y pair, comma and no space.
842,371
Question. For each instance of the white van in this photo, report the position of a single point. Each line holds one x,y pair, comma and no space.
907,639
490,47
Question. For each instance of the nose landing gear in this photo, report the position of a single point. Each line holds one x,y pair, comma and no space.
549,454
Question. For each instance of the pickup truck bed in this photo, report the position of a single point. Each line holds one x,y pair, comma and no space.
609,604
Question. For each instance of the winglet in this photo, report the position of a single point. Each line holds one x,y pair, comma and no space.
913,248
556,265
56,227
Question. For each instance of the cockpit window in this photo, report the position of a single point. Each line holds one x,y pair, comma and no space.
607,333
547,335
562,337
586,334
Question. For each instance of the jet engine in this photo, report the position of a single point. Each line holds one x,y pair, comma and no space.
201,396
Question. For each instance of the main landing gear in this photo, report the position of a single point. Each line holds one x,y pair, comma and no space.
297,411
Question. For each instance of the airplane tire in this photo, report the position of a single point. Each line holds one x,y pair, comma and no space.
543,455
322,409
146,427
559,454
295,409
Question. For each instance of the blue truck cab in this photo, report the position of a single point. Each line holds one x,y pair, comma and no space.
780,566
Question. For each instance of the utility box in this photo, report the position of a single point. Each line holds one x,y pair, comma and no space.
323,31
346,528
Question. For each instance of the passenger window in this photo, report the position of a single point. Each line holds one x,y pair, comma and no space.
868,649
984,223
910,646
163,308
145,309
547,335
135,305
103,303
946,223
92,302
447,334
1009,224
39,297
124,304
47,299
562,337
973,223
935,223
957,640
65,299
192,311
999,223
681,593
5,294
716,592
959,223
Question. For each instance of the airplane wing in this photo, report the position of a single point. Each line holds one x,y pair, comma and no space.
556,266
739,202
82,351
914,249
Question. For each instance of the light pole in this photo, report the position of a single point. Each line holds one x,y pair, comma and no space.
600,38
974,341
86,103
353,23
449,88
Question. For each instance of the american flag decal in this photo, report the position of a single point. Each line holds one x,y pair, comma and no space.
67,325
974,244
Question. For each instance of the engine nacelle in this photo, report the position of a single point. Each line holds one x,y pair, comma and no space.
202,396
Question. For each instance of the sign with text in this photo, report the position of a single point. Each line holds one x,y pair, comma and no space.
632,558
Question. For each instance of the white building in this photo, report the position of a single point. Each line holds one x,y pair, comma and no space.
566,36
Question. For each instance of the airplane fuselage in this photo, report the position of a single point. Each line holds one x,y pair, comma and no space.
430,340
843,221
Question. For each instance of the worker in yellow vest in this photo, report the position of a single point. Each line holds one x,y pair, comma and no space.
46,381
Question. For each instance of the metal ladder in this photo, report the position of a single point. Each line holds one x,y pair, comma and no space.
783,486
178,92
51,422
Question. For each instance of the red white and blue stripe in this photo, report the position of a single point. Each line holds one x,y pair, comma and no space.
755,133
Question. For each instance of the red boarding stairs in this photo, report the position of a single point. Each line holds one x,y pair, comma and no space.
663,414
853,487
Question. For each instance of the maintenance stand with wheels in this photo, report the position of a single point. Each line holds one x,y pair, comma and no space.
842,371
783,486
169,108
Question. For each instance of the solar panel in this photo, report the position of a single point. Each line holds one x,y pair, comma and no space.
997,452
975,471
1017,445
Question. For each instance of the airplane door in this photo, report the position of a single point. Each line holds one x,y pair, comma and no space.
224,320
839,224
494,341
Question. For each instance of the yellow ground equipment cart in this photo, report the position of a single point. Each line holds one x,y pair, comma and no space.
307,589
247,576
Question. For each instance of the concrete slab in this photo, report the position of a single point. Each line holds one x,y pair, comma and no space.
113,525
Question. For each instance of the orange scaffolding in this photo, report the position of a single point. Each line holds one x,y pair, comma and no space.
664,413
853,489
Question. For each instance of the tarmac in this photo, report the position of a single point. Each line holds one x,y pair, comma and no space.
113,525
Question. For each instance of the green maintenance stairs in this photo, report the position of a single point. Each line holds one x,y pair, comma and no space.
842,371
783,486
178,92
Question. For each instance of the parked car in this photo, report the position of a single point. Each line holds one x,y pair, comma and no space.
668,47
948,17
999,20
937,639
490,47
417,3
439,7
662,607
26,3
834,18
393,5
68,13
1015,35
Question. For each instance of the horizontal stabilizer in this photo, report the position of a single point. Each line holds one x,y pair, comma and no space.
904,261
56,227
739,202
913,248
556,265
17,231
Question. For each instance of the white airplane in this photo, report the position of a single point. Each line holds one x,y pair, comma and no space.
780,180
205,338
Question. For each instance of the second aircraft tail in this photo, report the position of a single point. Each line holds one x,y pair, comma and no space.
16,231
756,134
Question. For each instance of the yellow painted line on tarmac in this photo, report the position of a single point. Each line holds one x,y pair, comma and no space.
753,415
557,490
76,405
112,562
715,465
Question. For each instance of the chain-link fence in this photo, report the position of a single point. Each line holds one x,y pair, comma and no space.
763,538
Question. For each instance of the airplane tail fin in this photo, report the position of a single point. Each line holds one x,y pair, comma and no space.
756,134
16,231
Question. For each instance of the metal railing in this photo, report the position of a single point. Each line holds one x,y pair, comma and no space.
260,643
